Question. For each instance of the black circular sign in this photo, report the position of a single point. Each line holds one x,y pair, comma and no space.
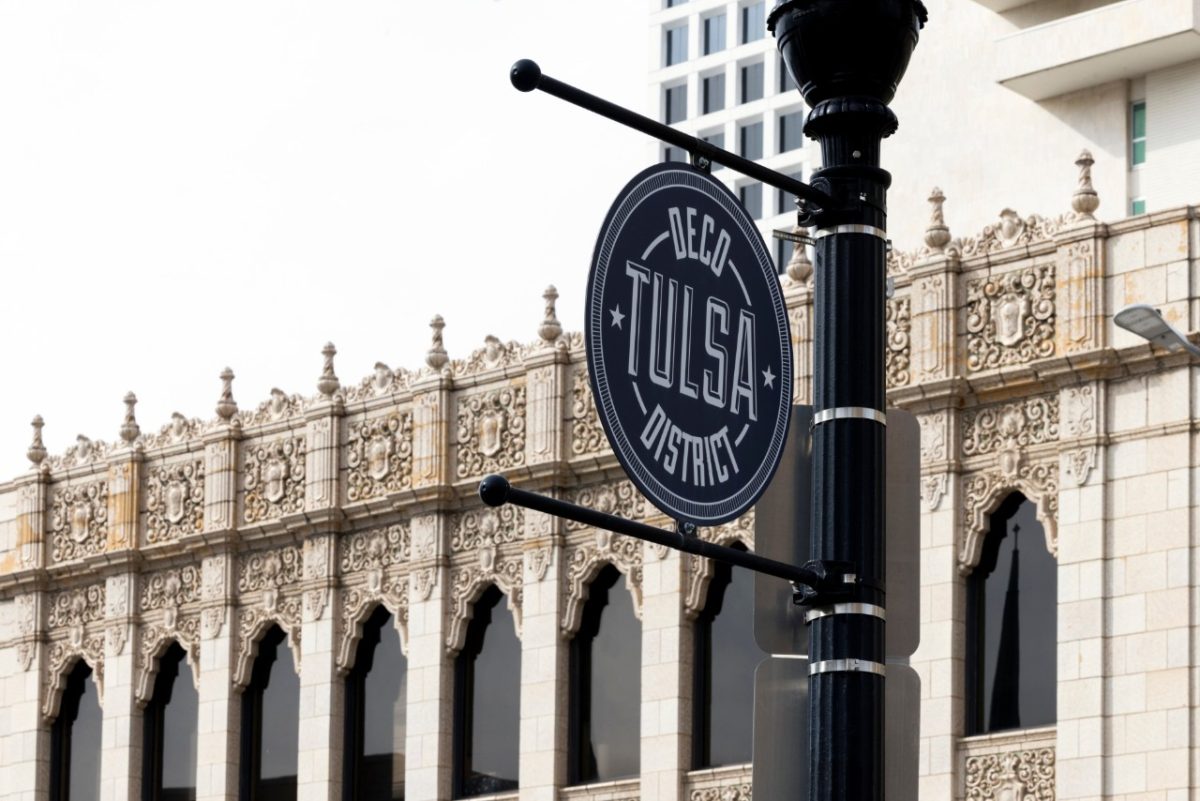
688,345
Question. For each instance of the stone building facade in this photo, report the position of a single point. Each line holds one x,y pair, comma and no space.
307,512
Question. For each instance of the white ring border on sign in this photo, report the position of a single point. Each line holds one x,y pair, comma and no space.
660,177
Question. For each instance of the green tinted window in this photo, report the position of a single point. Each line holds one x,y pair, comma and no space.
1137,206
1137,139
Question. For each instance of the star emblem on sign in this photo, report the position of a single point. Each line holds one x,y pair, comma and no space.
768,378
617,317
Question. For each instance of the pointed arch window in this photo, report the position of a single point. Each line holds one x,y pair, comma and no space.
75,740
376,724
169,731
271,723
1012,605
725,658
605,685
487,701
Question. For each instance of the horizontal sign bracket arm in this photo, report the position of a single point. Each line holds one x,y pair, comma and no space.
526,76
496,491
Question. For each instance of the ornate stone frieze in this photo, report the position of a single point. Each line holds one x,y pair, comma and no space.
1010,317
898,353
75,628
585,560
468,583
278,407
1079,414
587,436
253,622
700,569
273,479
174,500
379,456
491,431
492,355
1008,232
63,655
1031,421
375,549
983,493
268,570
72,609
738,791
78,520
382,382
933,436
1025,775
84,451
618,498
358,601
180,429
155,640
485,528
900,262
165,589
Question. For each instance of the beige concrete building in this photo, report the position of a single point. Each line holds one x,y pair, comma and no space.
193,611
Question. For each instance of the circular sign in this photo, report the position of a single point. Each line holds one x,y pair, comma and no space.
688,345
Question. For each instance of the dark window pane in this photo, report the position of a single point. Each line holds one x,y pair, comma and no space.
75,740
754,22
488,700
726,656
713,90
270,723
1011,615
751,197
606,659
714,33
785,80
673,3
675,103
751,136
675,45
169,772
752,82
783,254
717,139
674,154
1137,206
791,131
376,691
786,202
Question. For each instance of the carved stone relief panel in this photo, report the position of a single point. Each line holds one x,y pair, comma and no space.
933,436
931,350
738,791
180,429
274,577
587,436
984,491
1031,421
78,520
491,431
84,451
1010,317
375,549
1079,411
484,529
280,406
1011,231
270,570
1081,293
1025,775
274,479
358,601
379,456
468,583
618,498
700,569
174,500
75,629
253,622
898,353
586,559
492,355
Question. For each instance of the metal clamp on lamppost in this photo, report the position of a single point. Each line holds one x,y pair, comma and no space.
823,581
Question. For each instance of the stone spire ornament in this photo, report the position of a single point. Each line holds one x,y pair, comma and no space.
1085,200
937,235
328,383
799,268
129,428
550,329
226,406
37,451
436,356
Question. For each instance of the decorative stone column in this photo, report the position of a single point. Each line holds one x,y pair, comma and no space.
666,706
543,747
545,377
935,300
431,417
430,686
121,731
24,739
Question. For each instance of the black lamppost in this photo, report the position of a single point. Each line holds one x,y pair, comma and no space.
847,57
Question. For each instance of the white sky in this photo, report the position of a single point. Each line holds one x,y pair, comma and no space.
185,186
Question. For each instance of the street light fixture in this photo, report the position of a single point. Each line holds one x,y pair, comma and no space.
1148,323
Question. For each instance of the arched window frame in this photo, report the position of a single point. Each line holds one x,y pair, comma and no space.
355,674
251,713
152,734
73,675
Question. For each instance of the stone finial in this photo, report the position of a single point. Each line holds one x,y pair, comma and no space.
37,451
937,235
799,268
226,406
328,383
1085,200
550,329
129,428
436,356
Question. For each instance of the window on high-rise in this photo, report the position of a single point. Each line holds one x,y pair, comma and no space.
673,3
750,140
271,723
714,33
675,45
785,80
674,153
725,658
716,139
376,723
675,103
712,91
487,701
751,82
1137,133
1137,206
75,740
169,728
754,22
784,248
791,131
751,197
1012,608
604,730
785,202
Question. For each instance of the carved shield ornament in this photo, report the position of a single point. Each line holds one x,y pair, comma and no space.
275,479
491,426
174,497
378,450
1009,313
81,515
